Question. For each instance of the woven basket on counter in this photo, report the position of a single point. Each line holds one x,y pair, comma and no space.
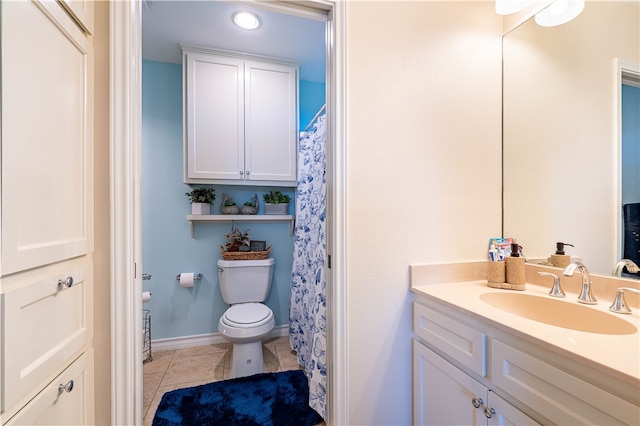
245,255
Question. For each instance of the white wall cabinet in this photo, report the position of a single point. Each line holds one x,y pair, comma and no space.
521,384
240,119
46,270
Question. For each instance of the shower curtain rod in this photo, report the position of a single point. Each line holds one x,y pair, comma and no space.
315,117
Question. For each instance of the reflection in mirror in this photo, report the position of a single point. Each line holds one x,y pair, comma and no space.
566,170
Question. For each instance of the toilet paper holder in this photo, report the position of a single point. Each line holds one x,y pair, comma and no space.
195,277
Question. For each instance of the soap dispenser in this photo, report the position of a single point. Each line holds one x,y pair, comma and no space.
515,269
559,259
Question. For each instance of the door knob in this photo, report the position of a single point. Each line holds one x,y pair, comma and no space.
68,282
65,388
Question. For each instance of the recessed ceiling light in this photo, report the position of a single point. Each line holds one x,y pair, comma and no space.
246,20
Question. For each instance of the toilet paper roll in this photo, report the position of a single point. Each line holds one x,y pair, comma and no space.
186,279
146,296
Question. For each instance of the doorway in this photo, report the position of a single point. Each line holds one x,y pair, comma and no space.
126,300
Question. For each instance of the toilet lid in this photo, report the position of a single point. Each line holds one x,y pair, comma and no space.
247,313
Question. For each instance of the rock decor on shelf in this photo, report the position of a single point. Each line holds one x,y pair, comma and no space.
228,205
201,200
276,203
238,247
250,207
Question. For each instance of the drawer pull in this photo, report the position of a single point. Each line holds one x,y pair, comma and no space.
489,412
65,388
68,282
477,402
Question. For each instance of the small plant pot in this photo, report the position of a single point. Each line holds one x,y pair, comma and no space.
249,210
281,208
201,208
230,209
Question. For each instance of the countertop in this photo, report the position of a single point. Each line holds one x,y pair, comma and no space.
615,355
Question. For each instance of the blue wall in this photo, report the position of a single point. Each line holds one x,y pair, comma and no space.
168,248
312,97
630,145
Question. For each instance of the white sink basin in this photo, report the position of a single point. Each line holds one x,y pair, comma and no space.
559,313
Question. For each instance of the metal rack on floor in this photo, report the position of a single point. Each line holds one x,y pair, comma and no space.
146,334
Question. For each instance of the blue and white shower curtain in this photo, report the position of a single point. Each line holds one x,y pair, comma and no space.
307,315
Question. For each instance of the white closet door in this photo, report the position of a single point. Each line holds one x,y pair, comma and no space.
47,133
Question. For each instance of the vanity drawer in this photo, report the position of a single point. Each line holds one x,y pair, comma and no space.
453,338
562,397
70,405
45,326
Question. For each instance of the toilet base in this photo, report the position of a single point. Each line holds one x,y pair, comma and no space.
247,359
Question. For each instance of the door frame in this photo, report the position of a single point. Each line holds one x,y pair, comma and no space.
125,35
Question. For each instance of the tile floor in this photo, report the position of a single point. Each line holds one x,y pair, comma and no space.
182,368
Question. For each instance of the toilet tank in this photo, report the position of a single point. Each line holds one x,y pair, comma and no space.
245,281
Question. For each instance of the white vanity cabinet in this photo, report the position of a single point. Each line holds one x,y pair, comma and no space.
444,395
459,360
240,119
46,269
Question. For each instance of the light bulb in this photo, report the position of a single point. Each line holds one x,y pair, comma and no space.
246,20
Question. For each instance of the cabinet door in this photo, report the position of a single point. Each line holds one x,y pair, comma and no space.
67,400
47,136
443,394
214,117
82,12
270,122
46,325
499,413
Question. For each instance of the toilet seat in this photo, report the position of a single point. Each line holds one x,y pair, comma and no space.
247,315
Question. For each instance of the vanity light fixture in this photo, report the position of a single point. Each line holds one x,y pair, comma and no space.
507,7
559,12
246,20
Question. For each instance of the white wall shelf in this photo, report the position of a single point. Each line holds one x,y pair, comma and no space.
192,218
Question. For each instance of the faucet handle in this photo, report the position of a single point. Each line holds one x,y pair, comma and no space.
556,289
619,305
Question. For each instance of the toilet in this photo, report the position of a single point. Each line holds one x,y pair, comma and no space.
244,285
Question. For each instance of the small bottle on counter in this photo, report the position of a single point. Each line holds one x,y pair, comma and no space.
559,259
515,269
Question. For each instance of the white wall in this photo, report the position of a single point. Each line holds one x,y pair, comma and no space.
424,174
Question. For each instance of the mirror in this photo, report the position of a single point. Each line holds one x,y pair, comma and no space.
561,133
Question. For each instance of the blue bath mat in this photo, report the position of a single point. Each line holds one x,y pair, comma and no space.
262,399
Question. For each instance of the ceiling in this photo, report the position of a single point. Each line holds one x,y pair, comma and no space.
166,24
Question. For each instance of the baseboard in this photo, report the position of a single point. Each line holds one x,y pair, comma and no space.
204,339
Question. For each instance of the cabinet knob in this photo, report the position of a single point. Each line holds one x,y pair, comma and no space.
65,388
248,173
489,412
241,173
68,282
477,402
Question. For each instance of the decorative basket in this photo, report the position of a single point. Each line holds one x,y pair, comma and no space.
245,255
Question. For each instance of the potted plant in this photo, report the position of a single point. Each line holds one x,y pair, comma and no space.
276,202
237,240
201,200
228,205
250,207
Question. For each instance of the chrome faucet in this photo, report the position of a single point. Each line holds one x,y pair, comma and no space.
556,289
632,268
619,305
585,293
